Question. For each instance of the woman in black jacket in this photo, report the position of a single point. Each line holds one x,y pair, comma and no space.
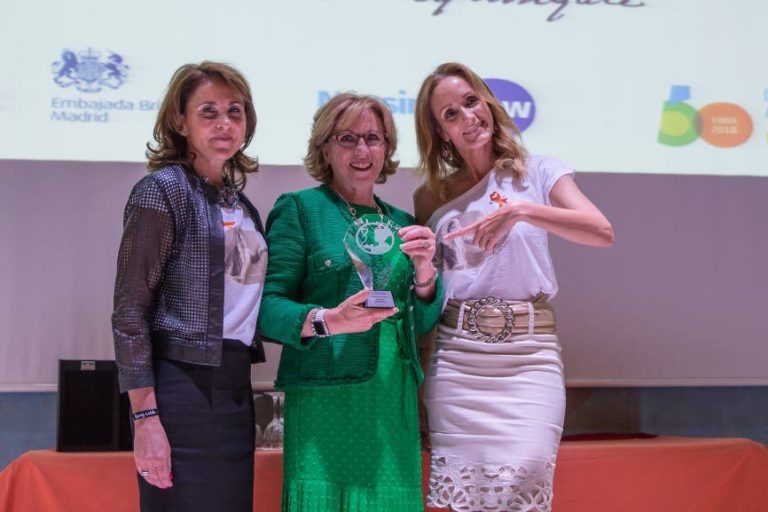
190,275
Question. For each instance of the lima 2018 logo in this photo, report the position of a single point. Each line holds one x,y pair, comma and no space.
721,124
515,99
87,72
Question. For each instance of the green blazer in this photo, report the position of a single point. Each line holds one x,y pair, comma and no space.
308,268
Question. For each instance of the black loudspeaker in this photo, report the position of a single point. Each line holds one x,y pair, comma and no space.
93,414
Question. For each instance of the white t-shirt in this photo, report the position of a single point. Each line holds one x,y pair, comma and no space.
245,265
520,268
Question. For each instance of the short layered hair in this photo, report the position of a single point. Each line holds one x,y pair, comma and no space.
340,112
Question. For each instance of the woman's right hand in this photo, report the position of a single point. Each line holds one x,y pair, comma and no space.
352,316
152,452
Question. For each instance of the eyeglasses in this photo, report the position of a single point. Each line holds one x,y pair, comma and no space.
351,140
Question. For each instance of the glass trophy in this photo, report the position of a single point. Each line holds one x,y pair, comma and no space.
374,247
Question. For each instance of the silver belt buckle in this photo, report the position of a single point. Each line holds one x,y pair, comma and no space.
491,302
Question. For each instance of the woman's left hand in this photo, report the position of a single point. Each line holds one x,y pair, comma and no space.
488,232
419,245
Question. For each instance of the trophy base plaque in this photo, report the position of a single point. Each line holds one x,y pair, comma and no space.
380,299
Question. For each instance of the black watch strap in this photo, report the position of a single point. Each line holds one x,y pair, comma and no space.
317,322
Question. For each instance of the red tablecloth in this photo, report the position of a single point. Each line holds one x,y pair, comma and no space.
648,475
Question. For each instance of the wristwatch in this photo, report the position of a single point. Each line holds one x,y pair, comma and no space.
317,323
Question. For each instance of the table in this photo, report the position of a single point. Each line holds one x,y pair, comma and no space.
665,474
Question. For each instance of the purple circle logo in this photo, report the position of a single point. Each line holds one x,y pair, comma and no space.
515,99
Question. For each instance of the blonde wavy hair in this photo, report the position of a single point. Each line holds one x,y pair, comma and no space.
437,160
170,147
340,112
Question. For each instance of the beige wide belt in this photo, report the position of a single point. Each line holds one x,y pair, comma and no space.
493,320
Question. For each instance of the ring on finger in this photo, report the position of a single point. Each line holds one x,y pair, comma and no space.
426,244
144,472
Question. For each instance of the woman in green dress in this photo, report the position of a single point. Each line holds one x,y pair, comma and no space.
350,372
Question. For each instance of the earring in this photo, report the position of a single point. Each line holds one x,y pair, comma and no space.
446,151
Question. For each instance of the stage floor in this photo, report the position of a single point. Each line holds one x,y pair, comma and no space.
665,474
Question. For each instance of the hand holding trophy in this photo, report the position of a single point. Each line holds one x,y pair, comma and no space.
373,245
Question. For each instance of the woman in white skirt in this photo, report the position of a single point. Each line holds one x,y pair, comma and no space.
495,393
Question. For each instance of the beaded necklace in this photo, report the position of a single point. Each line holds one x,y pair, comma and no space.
228,197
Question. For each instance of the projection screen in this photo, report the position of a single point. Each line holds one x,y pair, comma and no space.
610,85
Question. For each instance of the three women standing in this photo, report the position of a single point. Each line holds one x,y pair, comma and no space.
189,286
495,389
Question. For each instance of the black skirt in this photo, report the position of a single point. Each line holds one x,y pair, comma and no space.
207,413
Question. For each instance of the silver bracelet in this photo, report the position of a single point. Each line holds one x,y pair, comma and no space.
427,282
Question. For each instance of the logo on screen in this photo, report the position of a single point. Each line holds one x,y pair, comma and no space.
720,124
400,103
87,71
515,99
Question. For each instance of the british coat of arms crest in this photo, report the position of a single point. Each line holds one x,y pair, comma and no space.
88,72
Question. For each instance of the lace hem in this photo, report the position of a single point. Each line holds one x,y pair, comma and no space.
477,487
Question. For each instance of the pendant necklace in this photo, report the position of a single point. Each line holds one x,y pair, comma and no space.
351,209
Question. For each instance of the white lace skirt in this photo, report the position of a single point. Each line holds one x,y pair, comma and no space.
496,417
